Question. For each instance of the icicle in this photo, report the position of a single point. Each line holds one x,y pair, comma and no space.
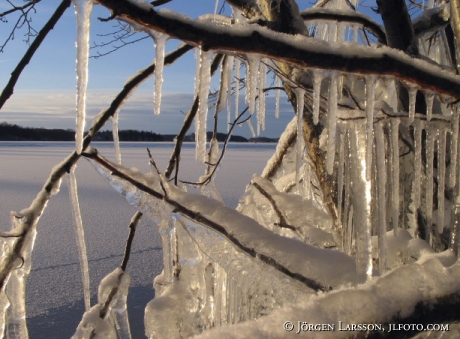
395,171
277,97
441,177
224,82
331,124
261,101
340,174
231,61
381,182
429,98
215,7
429,180
251,128
300,144
370,103
317,79
4,304
454,149
252,70
347,208
83,10
392,94
355,33
160,45
16,325
80,236
412,99
362,201
341,29
210,189
237,86
201,118
332,32
417,163
197,70
116,139
455,232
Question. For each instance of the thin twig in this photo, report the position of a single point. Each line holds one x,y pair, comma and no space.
175,156
132,230
216,165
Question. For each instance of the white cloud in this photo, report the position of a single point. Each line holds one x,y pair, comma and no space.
56,109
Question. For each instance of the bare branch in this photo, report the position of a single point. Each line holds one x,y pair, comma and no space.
132,230
8,90
19,8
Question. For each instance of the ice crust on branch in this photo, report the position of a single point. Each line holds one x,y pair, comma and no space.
99,322
376,302
242,231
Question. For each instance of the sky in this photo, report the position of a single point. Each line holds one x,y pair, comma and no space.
45,93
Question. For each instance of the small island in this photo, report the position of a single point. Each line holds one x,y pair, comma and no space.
12,132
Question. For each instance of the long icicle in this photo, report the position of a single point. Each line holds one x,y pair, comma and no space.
362,202
261,94
300,144
83,10
381,179
317,79
429,181
237,86
370,103
441,177
395,170
230,63
160,47
340,173
454,149
201,119
429,98
331,124
80,237
252,71
277,97
412,99
417,163
116,139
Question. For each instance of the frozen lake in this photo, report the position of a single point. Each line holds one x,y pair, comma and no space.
54,290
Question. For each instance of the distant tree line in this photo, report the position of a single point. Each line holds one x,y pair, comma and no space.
11,132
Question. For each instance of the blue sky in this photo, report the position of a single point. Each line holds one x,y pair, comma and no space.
45,93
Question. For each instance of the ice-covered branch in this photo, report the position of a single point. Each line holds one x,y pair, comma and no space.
424,292
288,256
8,90
316,13
28,217
432,20
298,50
